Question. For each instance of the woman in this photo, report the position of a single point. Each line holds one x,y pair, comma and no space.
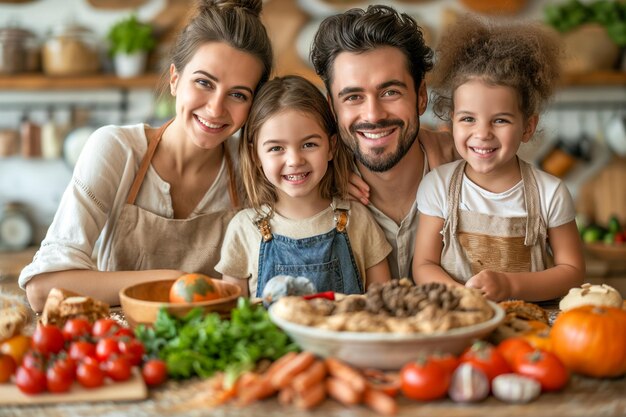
159,200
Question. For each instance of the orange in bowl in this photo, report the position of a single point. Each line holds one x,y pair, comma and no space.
141,302
193,287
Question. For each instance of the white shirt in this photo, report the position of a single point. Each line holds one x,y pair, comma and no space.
556,204
92,201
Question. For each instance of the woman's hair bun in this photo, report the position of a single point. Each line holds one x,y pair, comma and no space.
253,6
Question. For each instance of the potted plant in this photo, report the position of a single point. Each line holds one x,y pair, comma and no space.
129,43
593,32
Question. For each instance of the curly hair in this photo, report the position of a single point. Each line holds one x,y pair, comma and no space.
359,30
291,92
524,56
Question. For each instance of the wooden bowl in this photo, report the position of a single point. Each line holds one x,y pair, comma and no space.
141,302
615,253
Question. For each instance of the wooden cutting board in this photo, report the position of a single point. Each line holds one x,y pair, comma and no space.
133,389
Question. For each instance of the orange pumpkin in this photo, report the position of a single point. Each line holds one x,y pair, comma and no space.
539,339
190,288
591,340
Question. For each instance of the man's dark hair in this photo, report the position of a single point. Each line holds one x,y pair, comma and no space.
359,30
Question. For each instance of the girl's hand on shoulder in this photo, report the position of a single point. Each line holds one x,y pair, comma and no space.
358,189
493,285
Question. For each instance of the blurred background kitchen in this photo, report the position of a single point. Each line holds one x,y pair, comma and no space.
64,72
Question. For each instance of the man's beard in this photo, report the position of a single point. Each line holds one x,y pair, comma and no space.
377,162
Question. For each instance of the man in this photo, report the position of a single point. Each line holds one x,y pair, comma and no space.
373,64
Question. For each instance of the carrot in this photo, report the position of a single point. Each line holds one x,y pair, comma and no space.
342,391
257,390
286,396
285,374
246,380
313,396
310,377
380,402
279,363
347,373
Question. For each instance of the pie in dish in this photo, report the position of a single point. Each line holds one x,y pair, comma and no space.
393,307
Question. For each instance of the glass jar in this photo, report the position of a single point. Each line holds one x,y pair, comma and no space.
19,51
71,50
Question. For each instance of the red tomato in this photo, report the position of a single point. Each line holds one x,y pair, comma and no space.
133,349
66,365
104,328
387,382
77,328
545,367
7,367
58,379
107,347
424,380
81,349
154,372
447,360
35,360
125,332
48,339
486,357
118,368
30,380
511,349
89,374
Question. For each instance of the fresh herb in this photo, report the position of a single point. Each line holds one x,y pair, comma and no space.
199,344
608,13
129,35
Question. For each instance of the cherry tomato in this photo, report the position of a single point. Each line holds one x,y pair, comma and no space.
107,347
48,339
133,349
89,374
486,357
35,360
76,328
447,360
7,367
65,365
387,382
104,328
125,332
81,349
424,380
118,368
16,347
511,349
30,380
58,379
545,367
154,372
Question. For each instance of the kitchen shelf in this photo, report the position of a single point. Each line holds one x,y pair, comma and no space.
37,82
595,79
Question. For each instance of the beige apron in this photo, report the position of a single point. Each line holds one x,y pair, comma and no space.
143,240
475,241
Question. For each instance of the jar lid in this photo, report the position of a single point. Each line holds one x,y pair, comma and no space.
71,29
15,34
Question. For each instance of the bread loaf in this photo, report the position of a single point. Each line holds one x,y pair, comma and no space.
62,305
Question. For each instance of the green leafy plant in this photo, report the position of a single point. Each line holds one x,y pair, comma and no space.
608,13
130,35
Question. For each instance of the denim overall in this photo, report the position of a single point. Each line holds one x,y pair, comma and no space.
326,259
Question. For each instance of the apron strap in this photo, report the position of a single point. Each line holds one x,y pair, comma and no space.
145,163
454,196
531,200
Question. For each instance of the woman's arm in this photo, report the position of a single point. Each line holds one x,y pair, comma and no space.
568,271
242,283
102,286
377,273
428,248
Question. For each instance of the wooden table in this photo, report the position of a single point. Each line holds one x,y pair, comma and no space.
583,397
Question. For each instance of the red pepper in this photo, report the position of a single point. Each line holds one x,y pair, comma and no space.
329,295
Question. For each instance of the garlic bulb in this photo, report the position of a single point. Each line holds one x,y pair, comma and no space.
514,388
468,384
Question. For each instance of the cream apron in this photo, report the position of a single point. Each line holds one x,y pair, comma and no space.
475,241
143,240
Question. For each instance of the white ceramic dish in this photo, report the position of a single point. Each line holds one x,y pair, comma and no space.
385,351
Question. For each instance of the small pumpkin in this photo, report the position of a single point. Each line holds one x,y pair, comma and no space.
539,339
190,288
591,340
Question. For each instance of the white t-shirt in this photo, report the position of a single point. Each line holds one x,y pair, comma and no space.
242,243
556,204
94,198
